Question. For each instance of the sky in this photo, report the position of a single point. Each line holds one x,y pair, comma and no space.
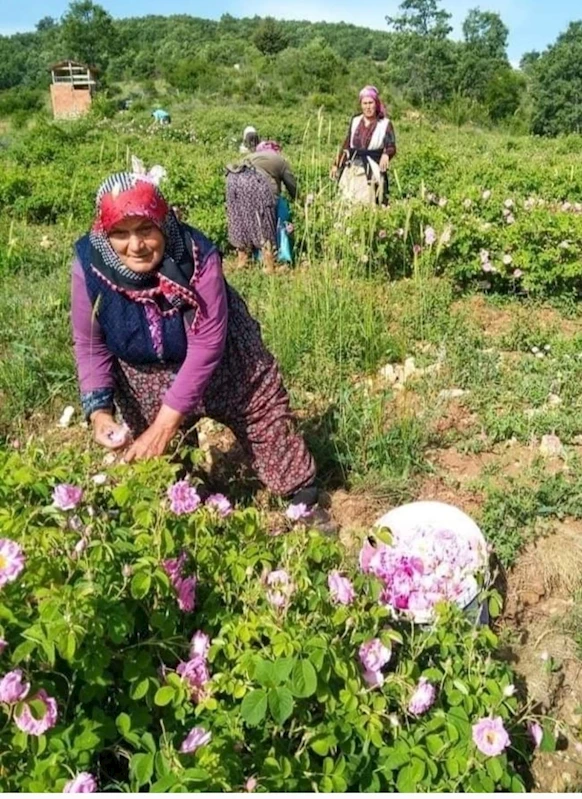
533,24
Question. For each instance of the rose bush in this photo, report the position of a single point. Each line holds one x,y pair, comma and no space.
109,681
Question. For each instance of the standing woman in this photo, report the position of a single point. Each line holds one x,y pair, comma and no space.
253,188
362,163
160,336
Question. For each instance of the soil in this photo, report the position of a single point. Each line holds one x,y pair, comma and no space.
537,618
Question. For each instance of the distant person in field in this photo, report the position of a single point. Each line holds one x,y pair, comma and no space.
361,166
253,188
162,339
162,117
250,140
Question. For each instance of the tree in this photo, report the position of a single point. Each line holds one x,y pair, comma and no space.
270,38
503,94
529,61
483,56
46,24
422,18
88,34
485,32
557,85
423,58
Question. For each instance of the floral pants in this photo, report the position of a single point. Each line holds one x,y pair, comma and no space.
246,393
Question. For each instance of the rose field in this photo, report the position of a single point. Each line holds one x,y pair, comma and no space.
164,626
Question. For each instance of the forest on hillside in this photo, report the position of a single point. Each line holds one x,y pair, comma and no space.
270,62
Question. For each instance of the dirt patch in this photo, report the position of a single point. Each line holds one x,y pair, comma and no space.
436,488
497,322
455,418
540,601
508,459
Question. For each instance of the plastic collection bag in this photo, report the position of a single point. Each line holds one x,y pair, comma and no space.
284,237
284,240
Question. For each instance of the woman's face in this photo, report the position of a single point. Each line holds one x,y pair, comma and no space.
369,107
139,243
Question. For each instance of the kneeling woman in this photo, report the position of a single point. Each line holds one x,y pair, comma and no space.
160,335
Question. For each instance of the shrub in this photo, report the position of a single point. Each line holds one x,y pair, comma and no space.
276,693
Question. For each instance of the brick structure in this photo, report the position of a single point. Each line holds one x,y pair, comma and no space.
72,89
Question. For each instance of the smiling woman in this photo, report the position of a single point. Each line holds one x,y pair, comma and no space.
161,337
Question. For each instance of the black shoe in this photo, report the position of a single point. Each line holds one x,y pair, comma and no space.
320,519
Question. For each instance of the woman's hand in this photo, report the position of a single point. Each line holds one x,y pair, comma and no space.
107,432
154,442
384,161
333,172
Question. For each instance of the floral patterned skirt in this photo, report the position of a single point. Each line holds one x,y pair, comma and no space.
251,210
246,393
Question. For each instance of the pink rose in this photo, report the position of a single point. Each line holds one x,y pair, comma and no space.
374,655
84,782
340,588
28,723
66,496
12,687
196,738
490,736
422,698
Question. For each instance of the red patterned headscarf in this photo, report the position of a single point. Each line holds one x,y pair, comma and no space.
126,194
372,91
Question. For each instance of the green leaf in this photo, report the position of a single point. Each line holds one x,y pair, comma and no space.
140,689
265,672
548,743
164,784
321,745
517,785
140,585
384,534
410,776
494,768
121,494
303,679
123,724
142,768
164,695
23,650
196,775
495,605
434,744
339,784
254,707
281,704
282,669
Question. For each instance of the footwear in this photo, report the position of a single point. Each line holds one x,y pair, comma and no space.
319,519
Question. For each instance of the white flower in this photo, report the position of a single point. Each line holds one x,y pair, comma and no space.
486,194
507,259
509,690
99,479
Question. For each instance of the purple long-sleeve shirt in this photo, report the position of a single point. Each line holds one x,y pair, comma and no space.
205,345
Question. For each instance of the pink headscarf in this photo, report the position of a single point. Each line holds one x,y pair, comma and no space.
372,91
266,146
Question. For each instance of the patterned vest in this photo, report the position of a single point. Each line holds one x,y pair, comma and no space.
124,322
